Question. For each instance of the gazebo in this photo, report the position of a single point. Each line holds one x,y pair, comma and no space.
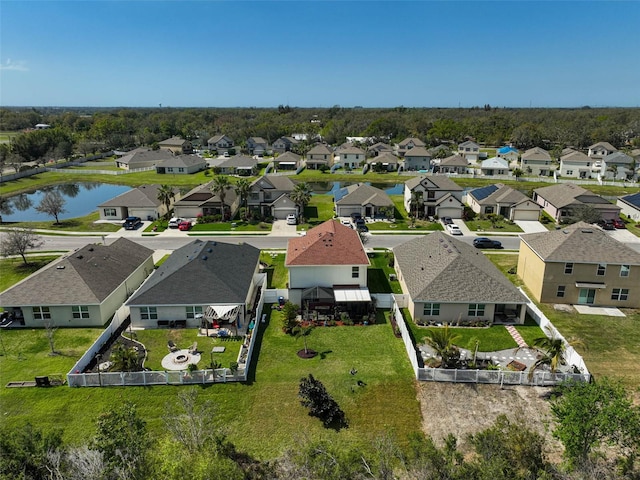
216,315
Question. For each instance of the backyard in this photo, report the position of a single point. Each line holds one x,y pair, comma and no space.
12,270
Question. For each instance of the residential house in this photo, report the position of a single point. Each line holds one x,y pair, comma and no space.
453,164
81,289
494,166
176,145
351,157
257,146
575,164
270,196
537,161
580,264
470,151
182,165
562,199
365,200
510,154
142,157
199,279
601,150
378,149
630,206
503,200
328,270
433,195
201,201
449,281
407,144
239,165
617,166
220,143
140,202
319,155
418,158
284,144
384,162
42,126
287,161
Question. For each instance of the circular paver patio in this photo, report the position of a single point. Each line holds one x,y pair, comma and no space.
180,360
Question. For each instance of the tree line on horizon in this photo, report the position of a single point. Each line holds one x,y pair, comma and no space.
88,130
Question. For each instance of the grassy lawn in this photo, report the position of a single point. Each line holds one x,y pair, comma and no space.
632,226
79,224
100,166
378,274
319,209
12,270
486,226
402,219
155,342
277,274
234,226
263,416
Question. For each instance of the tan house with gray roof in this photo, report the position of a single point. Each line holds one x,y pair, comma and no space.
82,289
580,264
319,155
385,162
270,195
562,199
140,202
407,144
433,195
176,145
418,158
453,164
182,165
364,199
537,161
576,164
601,149
287,161
449,281
503,200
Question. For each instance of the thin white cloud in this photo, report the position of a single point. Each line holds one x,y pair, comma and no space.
17,66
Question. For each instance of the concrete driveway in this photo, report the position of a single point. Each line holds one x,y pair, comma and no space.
281,229
623,235
530,226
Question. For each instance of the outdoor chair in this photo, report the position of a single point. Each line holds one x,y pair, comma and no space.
172,346
193,348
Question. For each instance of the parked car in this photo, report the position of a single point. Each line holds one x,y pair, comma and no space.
355,217
447,220
175,222
184,226
606,224
361,227
453,229
484,242
617,223
345,222
291,219
131,223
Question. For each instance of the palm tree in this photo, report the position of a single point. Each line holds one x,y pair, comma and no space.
242,189
442,341
165,195
554,348
301,195
300,331
125,359
219,187
517,172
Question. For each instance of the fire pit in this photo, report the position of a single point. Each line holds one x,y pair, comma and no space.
179,360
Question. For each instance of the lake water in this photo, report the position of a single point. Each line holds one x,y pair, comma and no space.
332,187
80,199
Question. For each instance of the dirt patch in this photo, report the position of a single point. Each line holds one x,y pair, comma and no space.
463,409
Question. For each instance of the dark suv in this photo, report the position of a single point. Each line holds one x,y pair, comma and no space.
131,223
484,242
606,224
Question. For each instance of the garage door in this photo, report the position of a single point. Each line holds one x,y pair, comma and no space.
526,215
281,213
449,212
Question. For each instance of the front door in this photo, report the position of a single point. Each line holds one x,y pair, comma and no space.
586,296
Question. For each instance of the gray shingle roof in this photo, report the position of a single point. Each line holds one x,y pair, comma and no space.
386,157
618,158
183,161
239,161
605,145
201,273
536,153
85,277
418,152
580,243
320,149
434,182
287,157
277,182
144,155
143,196
561,194
502,194
438,268
454,161
363,194
576,157
416,142
173,141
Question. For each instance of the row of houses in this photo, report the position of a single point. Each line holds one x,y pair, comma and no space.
446,280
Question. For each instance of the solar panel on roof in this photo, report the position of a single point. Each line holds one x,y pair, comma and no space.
340,193
484,192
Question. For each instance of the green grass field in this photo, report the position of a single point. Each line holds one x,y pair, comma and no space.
79,224
486,226
263,416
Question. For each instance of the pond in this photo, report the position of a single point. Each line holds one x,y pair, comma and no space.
332,187
80,199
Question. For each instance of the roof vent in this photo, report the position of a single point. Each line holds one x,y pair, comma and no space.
210,250
204,257
587,231
213,243
91,249
79,257
60,267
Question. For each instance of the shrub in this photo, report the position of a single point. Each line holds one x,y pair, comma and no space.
315,397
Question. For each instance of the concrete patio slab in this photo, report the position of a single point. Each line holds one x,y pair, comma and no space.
590,310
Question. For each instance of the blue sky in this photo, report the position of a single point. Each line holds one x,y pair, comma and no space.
323,53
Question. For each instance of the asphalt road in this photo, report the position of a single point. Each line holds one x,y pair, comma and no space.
261,242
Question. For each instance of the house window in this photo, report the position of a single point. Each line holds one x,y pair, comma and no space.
148,313
620,294
568,268
560,292
109,212
476,310
80,311
41,313
180,170
169,169
569,172
602,269
431,195
488,209
355,272
193,311
431,309
624,270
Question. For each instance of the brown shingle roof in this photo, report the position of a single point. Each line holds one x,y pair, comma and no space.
330,243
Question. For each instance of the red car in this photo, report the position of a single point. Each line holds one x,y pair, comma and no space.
184,226
617,223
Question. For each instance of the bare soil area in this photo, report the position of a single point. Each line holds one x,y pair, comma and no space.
463,409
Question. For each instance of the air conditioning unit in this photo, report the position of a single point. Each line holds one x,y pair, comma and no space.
393,277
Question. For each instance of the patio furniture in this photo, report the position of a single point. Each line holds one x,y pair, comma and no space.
193,348
172,346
